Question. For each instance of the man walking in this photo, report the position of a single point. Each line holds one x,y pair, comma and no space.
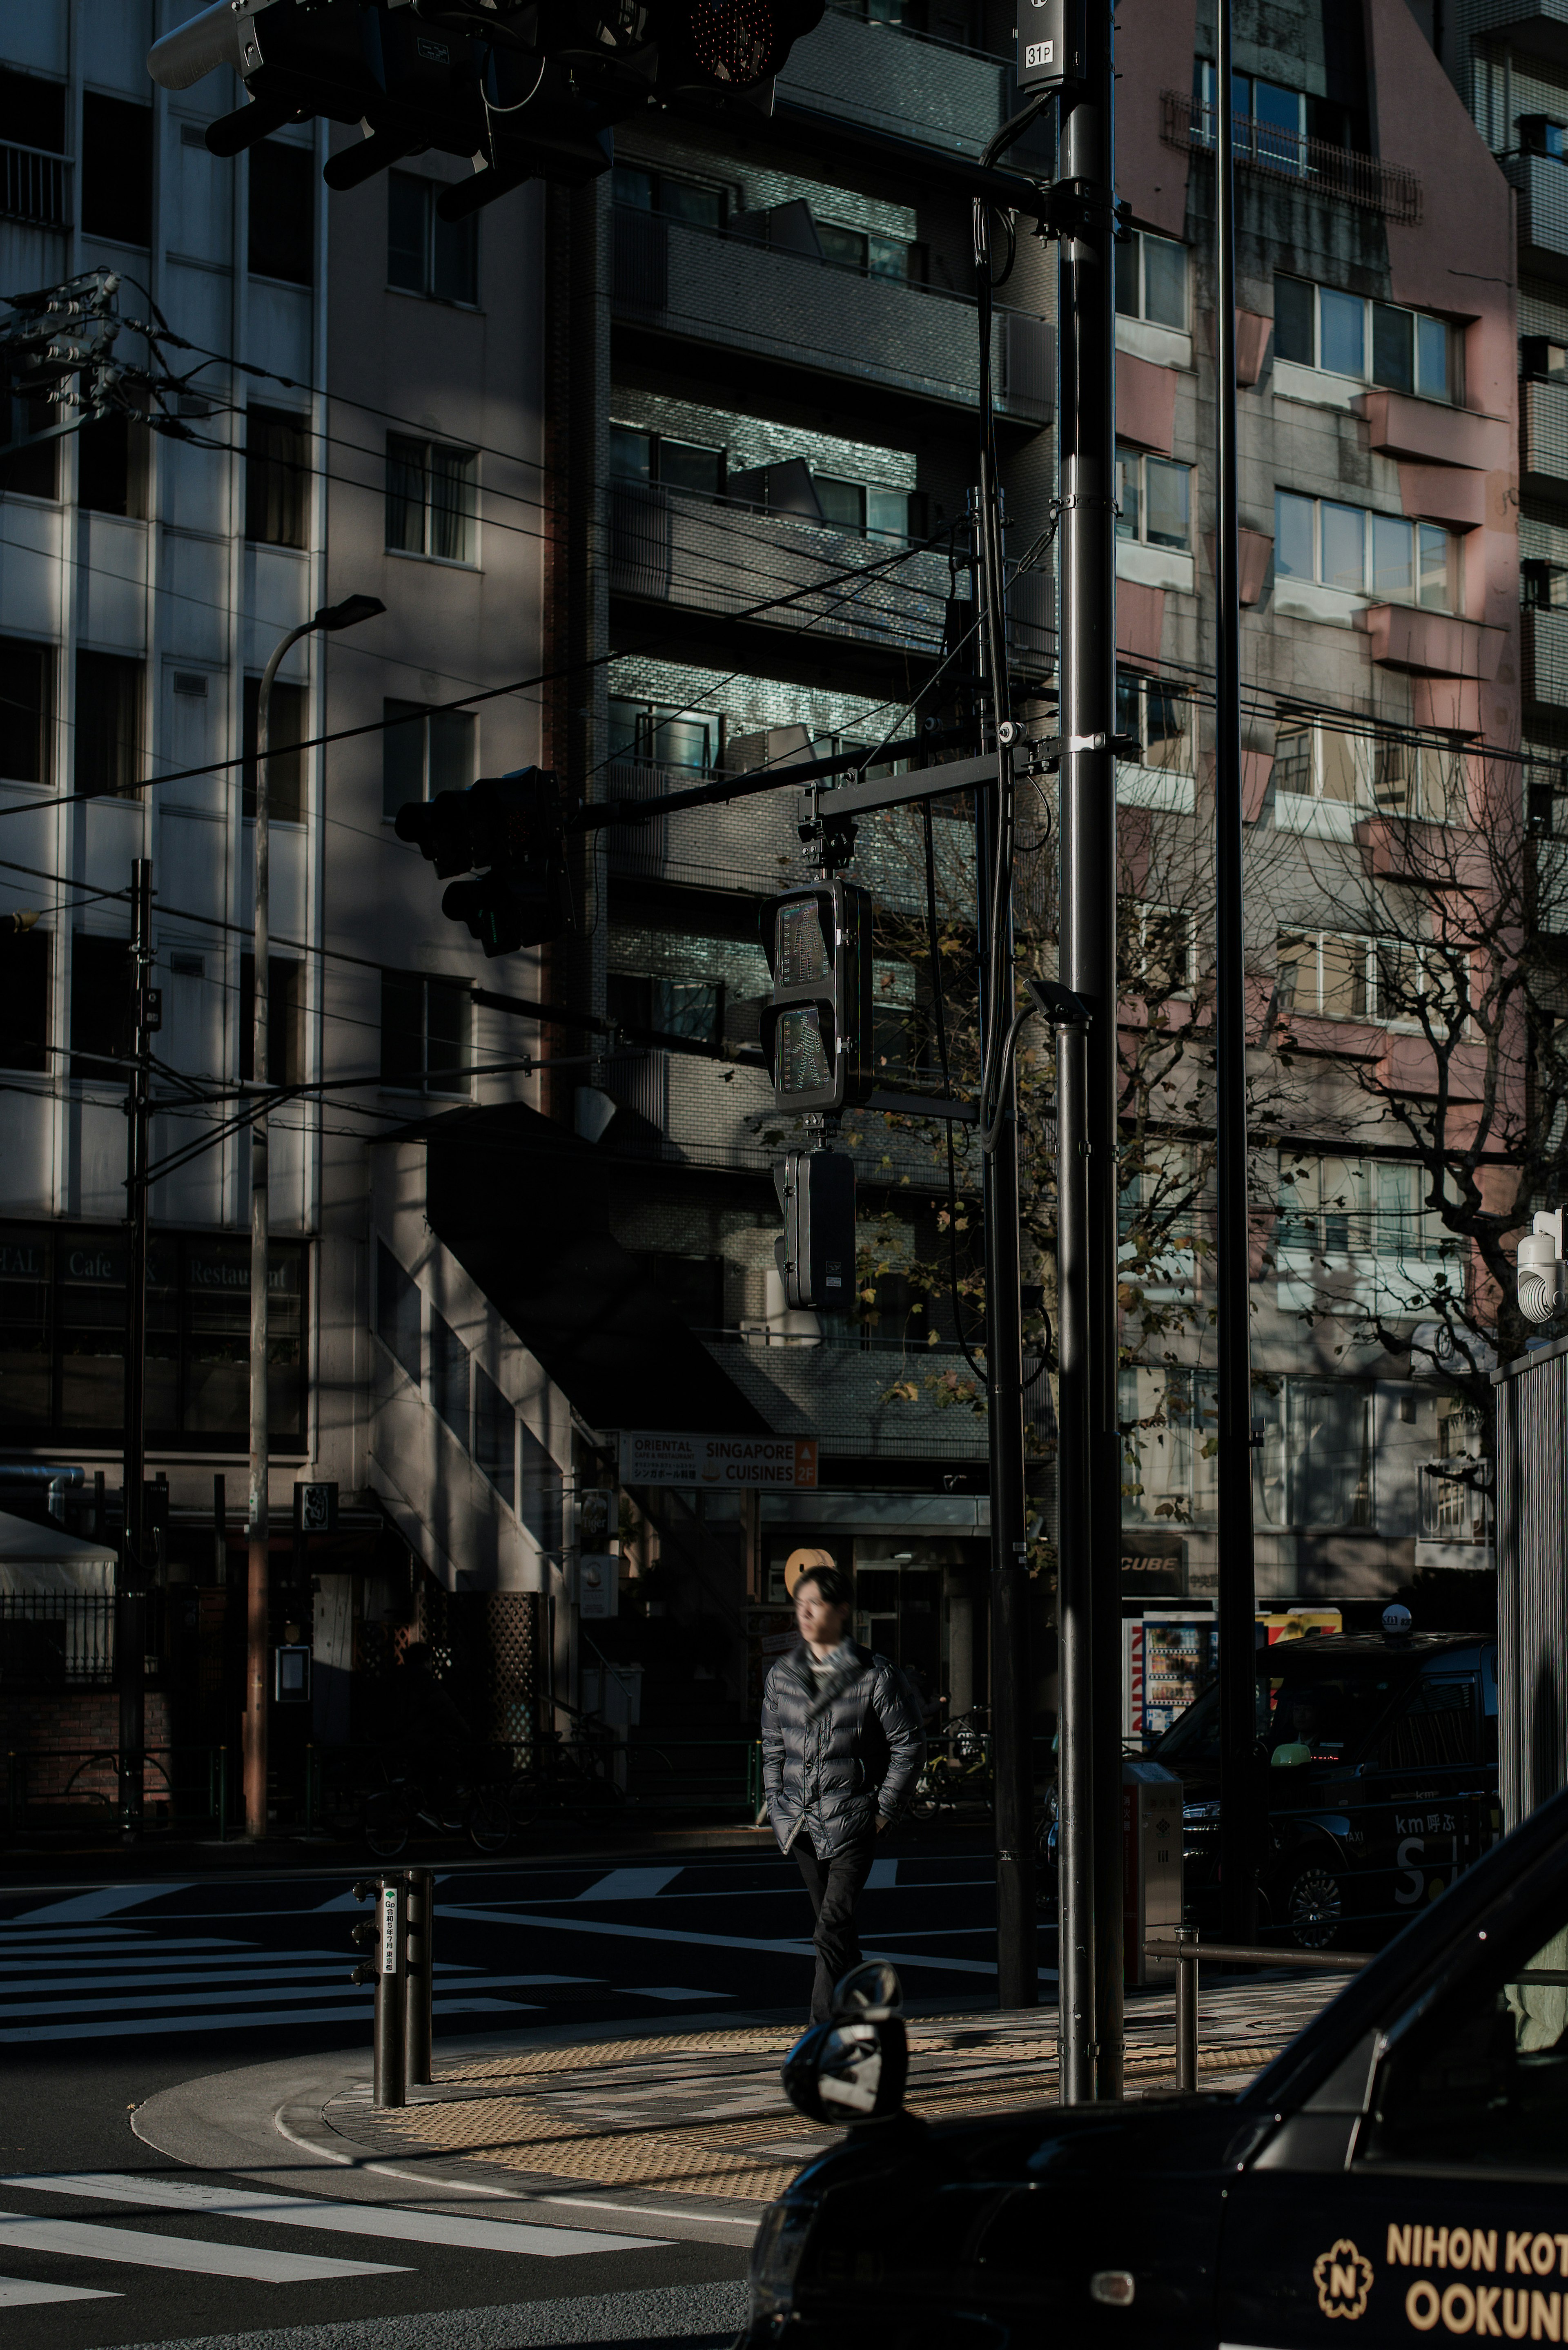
842,1749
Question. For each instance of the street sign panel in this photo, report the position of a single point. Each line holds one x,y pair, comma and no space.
655,1457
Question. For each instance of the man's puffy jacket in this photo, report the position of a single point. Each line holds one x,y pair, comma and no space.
835,1756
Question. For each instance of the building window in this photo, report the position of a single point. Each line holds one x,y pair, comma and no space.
424,752
1159,716
1315,1463
1333,975
539,1492
870,255
397,1310
26,674
1154,495
62,1325
656,458
868,510
683,200
1272,124
111,466
1170,1421
117,170
1335,1209
30,472
1378,556
426,1030
664,737
427,254
32,112
278,477
1158,951
1151,279
283,212
449,1377
285,1020
432,500
102,1029
669,1007
494,1435
288,727
1375,342
1414,781
107,725
24,993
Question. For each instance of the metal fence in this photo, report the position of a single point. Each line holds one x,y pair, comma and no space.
1290,156
56,1639
181,1786
1533,1580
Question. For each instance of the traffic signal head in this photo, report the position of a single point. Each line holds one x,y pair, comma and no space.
510,829
816,1031
717,48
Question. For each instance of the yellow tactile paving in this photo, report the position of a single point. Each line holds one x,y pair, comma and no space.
527,2125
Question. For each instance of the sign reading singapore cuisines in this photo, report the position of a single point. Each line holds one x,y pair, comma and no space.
653,1457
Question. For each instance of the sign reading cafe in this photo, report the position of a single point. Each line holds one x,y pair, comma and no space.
653,1457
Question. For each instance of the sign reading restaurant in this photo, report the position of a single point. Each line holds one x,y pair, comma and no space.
653,1457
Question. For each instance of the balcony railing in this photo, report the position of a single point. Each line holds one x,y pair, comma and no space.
34,185
714,287
709,556
1288,156
1342,1234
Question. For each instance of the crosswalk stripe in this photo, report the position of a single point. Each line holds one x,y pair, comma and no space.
139,2026
103,1902
672,1990
451,2228
132,2248
21,2293
38,1947
629,1884
184,2001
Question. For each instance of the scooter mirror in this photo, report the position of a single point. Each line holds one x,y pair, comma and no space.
849,2072
873,1990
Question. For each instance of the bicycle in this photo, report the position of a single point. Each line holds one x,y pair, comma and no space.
566,1773
960,1775
392,1813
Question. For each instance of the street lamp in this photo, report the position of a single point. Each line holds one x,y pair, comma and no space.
331,617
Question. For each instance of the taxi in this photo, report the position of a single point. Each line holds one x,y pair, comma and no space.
1379,1755
1398,2176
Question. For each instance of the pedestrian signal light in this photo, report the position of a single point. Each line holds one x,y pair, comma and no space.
816,1031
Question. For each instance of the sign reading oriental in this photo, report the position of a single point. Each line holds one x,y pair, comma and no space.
653,1457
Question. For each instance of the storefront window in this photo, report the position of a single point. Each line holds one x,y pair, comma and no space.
62,1334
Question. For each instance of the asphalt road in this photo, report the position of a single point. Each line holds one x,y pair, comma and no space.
111,1992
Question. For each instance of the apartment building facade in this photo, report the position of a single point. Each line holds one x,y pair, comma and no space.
1383,694
358,412
670,474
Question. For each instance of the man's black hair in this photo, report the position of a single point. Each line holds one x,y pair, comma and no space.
832,1583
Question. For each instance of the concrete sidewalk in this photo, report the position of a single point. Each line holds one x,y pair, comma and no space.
684,2131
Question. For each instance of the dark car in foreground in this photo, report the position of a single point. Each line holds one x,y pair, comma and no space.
1399,2172
1378,1759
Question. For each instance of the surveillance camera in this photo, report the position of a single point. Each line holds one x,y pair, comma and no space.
1542,1275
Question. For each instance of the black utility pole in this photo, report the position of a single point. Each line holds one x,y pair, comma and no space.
130,1582
1086,307
1012,1691
1238,1764
1075,1578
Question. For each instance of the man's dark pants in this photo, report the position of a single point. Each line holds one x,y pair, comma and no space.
835,1887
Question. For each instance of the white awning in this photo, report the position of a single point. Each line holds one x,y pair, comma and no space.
35,1558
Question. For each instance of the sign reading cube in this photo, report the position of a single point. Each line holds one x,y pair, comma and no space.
816,1032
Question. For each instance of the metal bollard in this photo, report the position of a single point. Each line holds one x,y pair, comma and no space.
420,1986
1186,2008
389,1968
